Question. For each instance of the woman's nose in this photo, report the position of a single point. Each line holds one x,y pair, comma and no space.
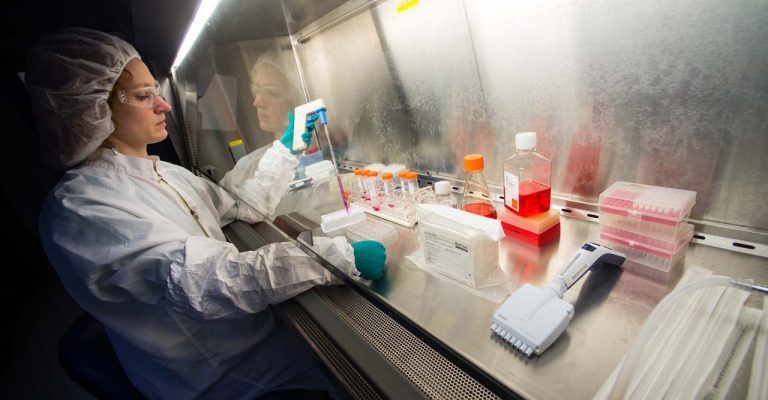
161,106
259,102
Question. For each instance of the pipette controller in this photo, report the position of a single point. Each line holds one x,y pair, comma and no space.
301,114
532,318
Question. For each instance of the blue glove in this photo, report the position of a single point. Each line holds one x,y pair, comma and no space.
370,256
287,139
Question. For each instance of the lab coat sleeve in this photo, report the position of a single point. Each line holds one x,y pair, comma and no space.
214,280
228,207
262,182
106,255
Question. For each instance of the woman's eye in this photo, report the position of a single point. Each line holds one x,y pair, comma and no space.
272,93
144,97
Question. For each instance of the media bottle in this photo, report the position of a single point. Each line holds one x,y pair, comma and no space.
443,194
527,189
476,198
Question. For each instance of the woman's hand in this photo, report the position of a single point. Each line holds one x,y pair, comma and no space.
370,257
287,138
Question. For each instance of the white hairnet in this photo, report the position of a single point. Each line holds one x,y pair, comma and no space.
283,62
70,75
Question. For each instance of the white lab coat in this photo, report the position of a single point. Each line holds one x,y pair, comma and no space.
187,314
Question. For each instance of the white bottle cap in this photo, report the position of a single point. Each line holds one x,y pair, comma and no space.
525,140
442,187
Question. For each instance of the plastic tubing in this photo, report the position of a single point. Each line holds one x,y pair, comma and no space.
619,388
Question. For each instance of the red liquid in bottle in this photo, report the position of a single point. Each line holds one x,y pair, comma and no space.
482,209
535,198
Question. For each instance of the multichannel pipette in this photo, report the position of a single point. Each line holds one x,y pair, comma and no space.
532,318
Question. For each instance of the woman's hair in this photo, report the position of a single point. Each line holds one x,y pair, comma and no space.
118,85
111,101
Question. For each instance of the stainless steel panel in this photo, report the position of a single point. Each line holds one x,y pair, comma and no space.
300,13
658,93
670,94
361,95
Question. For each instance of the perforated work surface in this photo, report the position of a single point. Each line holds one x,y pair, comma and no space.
358,386
267,233
429,371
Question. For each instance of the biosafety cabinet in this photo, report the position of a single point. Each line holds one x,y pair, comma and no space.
658,93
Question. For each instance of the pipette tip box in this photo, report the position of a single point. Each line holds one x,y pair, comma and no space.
656,204
646,222
648,255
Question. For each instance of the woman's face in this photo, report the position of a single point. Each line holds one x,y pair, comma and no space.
271,99
138,122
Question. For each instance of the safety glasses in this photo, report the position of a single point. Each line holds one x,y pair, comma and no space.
141,97
269,92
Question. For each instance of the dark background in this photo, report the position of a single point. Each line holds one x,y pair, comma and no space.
37,308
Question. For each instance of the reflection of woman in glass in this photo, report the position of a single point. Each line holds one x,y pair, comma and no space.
274,94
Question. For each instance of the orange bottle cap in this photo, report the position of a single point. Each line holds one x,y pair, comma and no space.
402,174
411,175
373,173
387,176
473,162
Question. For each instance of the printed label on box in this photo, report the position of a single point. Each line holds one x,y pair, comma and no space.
449,255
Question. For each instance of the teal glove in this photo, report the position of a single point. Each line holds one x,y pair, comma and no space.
370,256
311,122
307,135
287,139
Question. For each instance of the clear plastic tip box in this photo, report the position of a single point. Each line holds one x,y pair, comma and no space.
645,222
648,203
647,250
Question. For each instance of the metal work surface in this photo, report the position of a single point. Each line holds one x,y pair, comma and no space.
610,304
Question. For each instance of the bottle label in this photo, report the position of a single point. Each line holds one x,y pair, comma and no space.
511,191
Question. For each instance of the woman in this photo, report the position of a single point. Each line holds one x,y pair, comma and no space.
138,242
274,95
